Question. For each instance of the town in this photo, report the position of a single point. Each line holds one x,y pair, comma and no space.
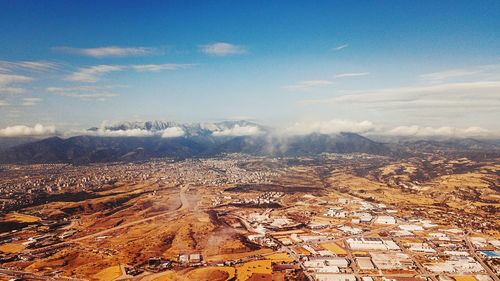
245,218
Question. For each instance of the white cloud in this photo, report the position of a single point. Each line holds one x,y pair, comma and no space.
222,49
172,132
330,127
109,51
366,127
340,47
123,133
8,79
21,130
355,74
3,103
444,131
159,67
308,85
93,73
136,132
31,101
238,130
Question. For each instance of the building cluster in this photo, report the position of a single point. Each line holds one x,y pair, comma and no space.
352,239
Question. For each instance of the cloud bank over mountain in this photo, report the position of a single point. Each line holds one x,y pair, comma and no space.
22,130
250,129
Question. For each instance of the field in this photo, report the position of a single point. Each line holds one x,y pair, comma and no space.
465,278
11,248
239,255
109,273
334,248
20,217
279,257
211,273
246,270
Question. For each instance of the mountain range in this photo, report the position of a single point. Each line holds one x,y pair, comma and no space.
134,141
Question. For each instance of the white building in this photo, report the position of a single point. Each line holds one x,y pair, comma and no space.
457,265
369,243
335,277
385,220
421,247
411,227
365,263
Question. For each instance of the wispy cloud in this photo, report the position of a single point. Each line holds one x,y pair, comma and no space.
31,101
100,93
84,88
109,51
222,49
8,84
9,66
12,90
93,74
159,67
340,47
4,103
353,74
90,96
485,72
445,75
471,95
307,85
8,79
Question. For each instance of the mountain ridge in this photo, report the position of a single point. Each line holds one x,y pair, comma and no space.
212,139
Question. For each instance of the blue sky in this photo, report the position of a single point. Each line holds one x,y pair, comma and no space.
425,67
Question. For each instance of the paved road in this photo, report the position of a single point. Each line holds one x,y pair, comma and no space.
423,270
472,250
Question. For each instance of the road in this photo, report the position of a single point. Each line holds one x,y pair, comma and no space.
473,252
423,270
185,204
32,276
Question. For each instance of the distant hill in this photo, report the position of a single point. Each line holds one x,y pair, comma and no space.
90,149
210,139
7,142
